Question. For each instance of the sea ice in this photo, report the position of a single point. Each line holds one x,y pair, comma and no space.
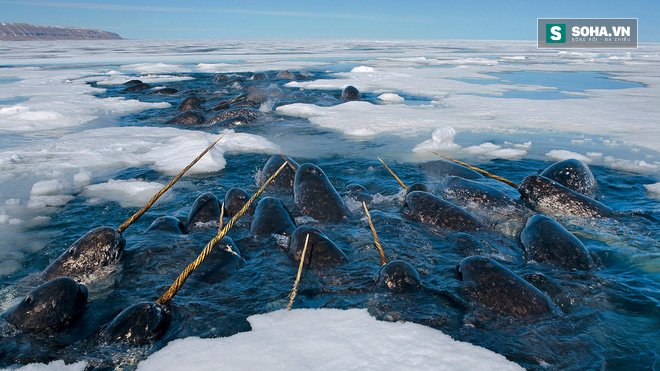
329,339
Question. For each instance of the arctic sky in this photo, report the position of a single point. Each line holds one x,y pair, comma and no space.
427,19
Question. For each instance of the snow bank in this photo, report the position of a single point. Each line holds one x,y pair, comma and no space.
328,339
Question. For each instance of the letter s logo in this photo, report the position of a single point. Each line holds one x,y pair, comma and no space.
556,33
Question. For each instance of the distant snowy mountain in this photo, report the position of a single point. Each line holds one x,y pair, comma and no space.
23,31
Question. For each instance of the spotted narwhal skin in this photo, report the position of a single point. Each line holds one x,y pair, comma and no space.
51,305
547,196
426,208
501,290
466,191
321,251
99,248
546,241
285,178
399,276
315,196
205,209
271,217
442,169
234,115
573,174
141,323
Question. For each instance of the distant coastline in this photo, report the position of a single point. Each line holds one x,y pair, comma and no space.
28,32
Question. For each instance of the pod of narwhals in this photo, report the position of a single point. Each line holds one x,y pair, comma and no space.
244,108
565,188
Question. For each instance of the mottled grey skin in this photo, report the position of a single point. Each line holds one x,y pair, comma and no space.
546,241
284,179
259,76
417,187
51,305
358,192
315,196
321,251
426,208
168,224
164,91
221,263
191,117
501,290
256,96
132,83
547,196
233,116
141,323
350,93
399,276
287,75
206,208
270,217
462,191
573,174
100,247
136,87
191,103
221,77
441,169
235,199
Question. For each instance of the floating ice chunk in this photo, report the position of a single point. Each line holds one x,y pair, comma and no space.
165,149
364,119
128,193
561,155
40,202
631,165
48,187
362,69
391,97
334,339
492,150
442,139
82,178
653,188
54,366
154,68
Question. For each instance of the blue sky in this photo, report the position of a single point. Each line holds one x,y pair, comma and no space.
436,19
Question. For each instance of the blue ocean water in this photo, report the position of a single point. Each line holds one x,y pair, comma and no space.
560,82
608,317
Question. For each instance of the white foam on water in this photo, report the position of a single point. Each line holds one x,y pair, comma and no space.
333,339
